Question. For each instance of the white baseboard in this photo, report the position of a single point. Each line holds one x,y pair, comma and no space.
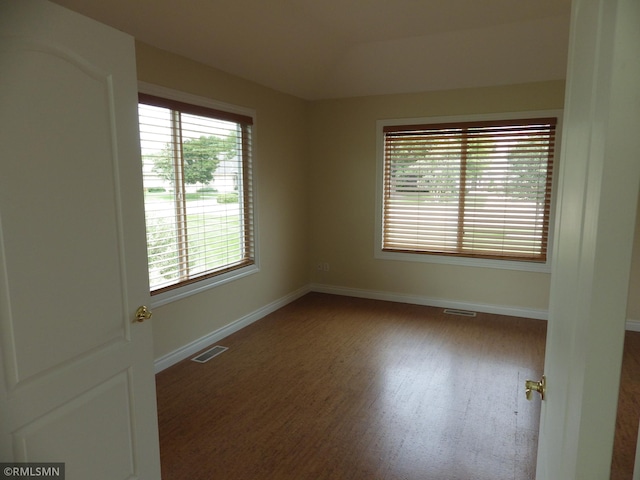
432,302
191,348
633,325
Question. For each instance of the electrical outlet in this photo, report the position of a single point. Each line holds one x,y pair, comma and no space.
325,266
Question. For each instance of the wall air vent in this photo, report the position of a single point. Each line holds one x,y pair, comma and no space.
462,313
209,354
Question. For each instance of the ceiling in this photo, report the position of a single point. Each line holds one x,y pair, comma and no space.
319,49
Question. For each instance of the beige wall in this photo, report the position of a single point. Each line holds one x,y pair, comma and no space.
316,171
281,171
343,183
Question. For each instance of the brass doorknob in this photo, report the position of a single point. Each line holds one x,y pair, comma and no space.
533,386
143,313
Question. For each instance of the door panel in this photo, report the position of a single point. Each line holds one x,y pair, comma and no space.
77,374
53,234
61,433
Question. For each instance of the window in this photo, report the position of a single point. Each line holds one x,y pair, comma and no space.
474,189
198,195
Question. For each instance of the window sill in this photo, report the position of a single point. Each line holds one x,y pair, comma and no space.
201,286
466,262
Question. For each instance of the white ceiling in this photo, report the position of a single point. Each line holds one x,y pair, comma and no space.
317,49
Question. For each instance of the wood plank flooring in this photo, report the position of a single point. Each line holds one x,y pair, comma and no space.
626,436
333,387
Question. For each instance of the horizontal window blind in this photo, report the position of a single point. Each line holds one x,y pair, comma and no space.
476,189
197,190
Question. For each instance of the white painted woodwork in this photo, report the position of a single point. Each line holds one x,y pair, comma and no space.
636,469
600,172
76,381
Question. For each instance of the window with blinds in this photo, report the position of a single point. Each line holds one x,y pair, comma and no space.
474,189
197,191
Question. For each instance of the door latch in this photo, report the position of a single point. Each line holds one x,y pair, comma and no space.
533,386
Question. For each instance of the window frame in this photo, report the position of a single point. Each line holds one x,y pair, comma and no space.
207,282
453,259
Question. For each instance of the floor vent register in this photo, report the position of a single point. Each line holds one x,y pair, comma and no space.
209,354
462,313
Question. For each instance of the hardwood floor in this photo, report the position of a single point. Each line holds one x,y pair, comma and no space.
342,388
624,448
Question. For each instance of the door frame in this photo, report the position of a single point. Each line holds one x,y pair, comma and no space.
599,179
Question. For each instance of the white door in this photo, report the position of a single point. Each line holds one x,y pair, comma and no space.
76,373
600,172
